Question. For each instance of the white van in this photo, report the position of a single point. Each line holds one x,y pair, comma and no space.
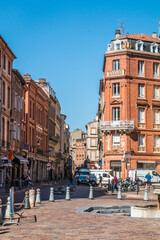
141,173
106,176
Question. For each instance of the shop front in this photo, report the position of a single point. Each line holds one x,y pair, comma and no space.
116,168
146,164
5,171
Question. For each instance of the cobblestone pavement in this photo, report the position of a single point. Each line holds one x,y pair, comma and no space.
58,220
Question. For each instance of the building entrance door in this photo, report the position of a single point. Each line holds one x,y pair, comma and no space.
116,168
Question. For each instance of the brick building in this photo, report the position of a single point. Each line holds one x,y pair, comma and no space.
37,108
80,151
6,59
20,162
92,150
129,109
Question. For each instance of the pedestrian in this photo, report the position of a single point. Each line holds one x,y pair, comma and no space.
71,181
148,179
100,180
115,184
30,181
55,177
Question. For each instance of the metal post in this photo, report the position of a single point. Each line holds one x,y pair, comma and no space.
11,213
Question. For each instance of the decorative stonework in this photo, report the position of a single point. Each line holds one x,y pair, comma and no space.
109,143
122,143
115,73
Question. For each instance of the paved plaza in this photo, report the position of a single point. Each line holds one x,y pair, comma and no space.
58,220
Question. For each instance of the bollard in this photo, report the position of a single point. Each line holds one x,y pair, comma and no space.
146,194
137,188
7,213
119,195
91,193
38,197
26,204
32,197
51,197
67,193
1,215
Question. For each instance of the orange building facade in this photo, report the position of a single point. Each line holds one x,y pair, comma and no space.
80,152
130,103
36,133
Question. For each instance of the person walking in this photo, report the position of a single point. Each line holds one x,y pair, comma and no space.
71,181
100,180
115,184
148,180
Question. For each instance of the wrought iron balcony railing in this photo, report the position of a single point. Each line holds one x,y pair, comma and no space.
117,125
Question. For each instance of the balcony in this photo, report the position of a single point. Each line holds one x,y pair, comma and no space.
122,125
115,73
54,138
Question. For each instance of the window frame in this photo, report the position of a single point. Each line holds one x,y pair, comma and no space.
140,139
116,64
140,95
114,141
156,70
116,89
141,68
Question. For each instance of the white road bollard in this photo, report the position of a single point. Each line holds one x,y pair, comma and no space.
32,197
1,214
91,193
51,197
119,195
7,213
38,196
26,204
67,193
146,194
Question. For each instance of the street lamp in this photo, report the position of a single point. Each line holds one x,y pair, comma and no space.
126,157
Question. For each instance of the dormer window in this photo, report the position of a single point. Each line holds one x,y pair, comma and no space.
154,47
117,45
139,45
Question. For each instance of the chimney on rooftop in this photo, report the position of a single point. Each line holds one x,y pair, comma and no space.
118,33
154,34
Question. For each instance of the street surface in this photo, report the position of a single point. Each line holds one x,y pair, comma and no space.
57,220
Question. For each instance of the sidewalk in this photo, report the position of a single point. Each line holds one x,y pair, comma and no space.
58,220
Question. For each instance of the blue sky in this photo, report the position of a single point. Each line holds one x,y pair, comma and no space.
65,41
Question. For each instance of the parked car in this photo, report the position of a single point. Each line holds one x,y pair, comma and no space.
83,179
106,176
92,179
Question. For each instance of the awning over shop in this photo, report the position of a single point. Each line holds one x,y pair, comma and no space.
21,159
146,162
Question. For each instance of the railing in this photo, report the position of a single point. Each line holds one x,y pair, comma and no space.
114,73
117,125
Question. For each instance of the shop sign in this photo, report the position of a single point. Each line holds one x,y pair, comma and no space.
116,164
